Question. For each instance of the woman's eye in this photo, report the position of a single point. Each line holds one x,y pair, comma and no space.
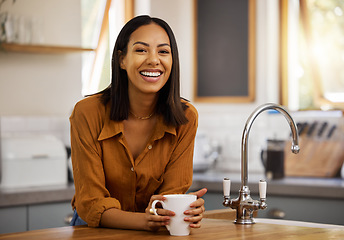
164,51
140,50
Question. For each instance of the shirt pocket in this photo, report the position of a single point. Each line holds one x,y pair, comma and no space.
144,194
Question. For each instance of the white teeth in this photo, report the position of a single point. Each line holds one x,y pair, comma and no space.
151,74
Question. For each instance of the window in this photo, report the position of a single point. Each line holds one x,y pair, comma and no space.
312,41
101,23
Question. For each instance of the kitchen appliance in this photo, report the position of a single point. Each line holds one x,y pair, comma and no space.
273,159
205,153
32,160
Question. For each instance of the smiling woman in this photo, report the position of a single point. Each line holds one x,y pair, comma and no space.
133,142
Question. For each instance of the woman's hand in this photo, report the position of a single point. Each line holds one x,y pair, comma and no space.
197,213
154,222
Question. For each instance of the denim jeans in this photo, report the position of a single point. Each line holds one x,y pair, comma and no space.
76,220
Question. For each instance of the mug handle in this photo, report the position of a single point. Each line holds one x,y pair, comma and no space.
154,203
155,212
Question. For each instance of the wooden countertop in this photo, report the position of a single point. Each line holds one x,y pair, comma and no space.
211,229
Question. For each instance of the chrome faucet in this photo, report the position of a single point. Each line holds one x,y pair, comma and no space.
244,204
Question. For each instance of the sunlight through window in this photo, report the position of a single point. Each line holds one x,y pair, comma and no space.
317,56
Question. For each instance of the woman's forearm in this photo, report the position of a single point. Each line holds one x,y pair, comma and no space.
115,218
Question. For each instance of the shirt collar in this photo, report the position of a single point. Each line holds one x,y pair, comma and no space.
110,128
161,128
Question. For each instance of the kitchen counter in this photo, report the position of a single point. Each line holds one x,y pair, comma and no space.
321,200
211,229
330,188
300,199
36,195
24,209
301,187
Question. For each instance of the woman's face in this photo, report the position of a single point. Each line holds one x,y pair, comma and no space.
148,61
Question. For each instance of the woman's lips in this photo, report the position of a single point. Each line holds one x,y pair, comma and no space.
151,76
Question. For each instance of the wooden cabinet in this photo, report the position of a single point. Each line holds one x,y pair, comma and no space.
32,217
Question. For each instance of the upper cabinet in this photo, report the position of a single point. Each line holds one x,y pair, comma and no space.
41,26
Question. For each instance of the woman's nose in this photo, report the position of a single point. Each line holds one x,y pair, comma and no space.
153,59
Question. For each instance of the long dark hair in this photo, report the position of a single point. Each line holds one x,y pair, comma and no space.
169,103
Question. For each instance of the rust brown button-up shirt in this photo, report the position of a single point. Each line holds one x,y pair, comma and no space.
105,174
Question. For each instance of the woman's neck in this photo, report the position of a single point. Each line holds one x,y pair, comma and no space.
142,105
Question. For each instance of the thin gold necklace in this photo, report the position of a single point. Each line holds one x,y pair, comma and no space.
142,118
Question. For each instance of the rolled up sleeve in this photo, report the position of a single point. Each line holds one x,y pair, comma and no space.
91,197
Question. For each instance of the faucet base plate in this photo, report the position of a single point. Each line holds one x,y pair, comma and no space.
244,221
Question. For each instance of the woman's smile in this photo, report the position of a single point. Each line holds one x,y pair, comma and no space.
151,75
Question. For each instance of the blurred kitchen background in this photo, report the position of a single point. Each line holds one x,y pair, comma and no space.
53,52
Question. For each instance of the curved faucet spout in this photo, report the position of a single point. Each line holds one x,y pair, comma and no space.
244,143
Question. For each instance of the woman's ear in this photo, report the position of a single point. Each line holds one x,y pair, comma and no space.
121,59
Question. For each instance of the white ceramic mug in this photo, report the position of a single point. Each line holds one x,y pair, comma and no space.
178,203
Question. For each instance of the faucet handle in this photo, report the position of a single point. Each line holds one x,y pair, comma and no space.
262,189
226,187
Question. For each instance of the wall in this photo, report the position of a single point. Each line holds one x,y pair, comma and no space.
37,84
43,84
224,123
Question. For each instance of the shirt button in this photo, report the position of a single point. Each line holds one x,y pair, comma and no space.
132,169
150,147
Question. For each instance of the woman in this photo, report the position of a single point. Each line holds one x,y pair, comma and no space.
133,142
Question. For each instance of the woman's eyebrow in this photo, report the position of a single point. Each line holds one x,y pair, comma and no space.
143,43
164,44
146,44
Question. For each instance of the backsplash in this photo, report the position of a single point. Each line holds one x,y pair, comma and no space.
56,126
225,130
